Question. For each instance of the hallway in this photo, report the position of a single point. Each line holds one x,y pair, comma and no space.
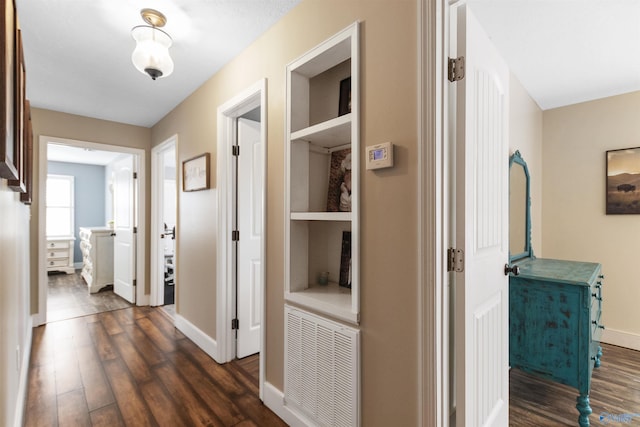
131,367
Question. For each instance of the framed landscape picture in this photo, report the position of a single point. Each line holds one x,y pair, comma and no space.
623,181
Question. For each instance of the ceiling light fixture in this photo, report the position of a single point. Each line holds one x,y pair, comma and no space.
151,55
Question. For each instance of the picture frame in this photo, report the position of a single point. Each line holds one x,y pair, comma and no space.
18,185
344,106
345,261
8,169
195,173
27,196
339,189
623,181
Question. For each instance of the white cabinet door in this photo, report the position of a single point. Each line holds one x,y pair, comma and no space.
124,245
482,189
250,177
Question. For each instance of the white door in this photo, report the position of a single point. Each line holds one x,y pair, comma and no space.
124,245
482,159
249,214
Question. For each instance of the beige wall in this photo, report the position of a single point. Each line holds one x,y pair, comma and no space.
575,224
69,126
389,239
525,135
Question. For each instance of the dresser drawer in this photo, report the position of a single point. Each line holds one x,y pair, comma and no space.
64,262
63,244
57,253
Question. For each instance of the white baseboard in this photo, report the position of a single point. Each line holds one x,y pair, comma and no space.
202,340
621,339
24,375
274,400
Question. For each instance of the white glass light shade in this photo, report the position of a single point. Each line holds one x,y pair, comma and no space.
151,55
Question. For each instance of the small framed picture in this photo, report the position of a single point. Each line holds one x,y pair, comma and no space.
195,173
345,97
623,181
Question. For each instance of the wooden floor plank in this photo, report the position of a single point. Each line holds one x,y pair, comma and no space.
102,341
42,403
163,342
206,387
107,416
134,361
151,353
96,387
199,414
111,325
72,409
132,407
167,412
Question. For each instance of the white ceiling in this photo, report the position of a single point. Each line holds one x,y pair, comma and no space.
77,53
69,154
567,51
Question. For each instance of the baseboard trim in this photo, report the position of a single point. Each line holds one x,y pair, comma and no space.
21,401
202,340
274,400
621,339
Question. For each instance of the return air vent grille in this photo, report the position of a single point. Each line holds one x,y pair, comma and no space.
321,369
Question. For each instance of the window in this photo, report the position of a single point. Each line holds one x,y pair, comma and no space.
60,210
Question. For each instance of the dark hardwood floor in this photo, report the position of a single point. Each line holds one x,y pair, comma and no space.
68,297
131,367
615,394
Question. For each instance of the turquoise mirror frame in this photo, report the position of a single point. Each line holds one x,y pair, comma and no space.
528,250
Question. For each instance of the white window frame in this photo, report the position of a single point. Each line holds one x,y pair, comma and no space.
71,206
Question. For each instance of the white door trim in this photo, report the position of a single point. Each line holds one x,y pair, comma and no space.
157,199
139,162
433,227
247,100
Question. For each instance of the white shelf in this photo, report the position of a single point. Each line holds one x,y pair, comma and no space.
332,133
321,216
330,299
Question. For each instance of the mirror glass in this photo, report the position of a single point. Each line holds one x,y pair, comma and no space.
519,203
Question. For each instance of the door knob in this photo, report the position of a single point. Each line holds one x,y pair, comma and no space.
508,269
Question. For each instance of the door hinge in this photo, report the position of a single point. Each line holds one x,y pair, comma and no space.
235,324
135,175
235,150
455,260
235,235
135,282
135,230
456,69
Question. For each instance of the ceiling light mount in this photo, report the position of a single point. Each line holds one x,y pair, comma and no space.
153,17
151,55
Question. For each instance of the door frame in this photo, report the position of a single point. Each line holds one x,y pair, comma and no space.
139,191
250,98
157,205
434,216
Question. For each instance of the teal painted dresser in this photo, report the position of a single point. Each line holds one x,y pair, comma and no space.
554,323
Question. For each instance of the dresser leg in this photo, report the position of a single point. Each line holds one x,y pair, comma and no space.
584,409
598,356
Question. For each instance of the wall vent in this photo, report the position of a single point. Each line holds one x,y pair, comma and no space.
321,369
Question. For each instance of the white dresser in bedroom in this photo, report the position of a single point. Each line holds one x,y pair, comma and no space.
96,244
60,254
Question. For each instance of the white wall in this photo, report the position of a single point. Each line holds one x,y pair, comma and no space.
575,223
15,324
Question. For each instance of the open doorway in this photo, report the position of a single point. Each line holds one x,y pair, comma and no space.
88,228
163,223
241,245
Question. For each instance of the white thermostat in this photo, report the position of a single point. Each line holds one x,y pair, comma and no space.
380,156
